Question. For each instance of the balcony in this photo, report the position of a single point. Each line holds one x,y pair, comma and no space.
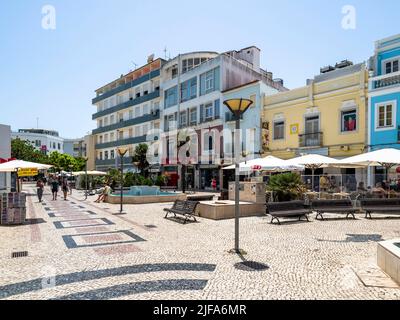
111,163
126,86
308,140
123,142
127,104
385,81
131,122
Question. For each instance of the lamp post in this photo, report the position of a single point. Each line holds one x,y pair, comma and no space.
237,107
122,151
86,178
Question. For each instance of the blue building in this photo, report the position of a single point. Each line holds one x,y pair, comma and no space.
384,96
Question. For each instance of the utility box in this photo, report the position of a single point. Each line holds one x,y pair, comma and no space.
249,191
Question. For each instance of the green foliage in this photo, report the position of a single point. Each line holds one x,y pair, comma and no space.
287,186
140,157
24,150
161,180
129,179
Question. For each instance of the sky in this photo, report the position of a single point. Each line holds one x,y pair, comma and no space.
48,76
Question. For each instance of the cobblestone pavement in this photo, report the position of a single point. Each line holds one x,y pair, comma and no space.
83,250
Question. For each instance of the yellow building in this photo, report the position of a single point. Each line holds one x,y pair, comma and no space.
328,116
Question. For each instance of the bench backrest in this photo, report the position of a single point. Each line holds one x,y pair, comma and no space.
331,203
190,206
380,202
179,205
285,206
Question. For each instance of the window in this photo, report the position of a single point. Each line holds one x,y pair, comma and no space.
54,145
137,112
100,139
193,88
189,89
120,135
100,123
210,80
112,154
105,155
174,72
208,111
59,146
112,119
183,119
130,114
101,155
38,143
185,91
137,131
279,130
171,97
146,109
193,116
171,122
130,133
349,120
112,136
385,115
391,66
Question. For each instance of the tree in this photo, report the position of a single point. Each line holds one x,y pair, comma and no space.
140,158
24,150
287,186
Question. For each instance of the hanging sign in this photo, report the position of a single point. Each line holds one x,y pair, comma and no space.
27,172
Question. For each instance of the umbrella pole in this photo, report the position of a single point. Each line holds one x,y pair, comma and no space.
312,179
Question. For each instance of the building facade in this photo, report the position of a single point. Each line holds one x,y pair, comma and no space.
5,154
384,94
384,99
43,140
192,112
328,117
74,147
127,109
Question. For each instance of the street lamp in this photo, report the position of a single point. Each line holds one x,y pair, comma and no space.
86,177
122,151
237,107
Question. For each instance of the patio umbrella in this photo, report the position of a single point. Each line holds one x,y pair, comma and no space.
386,158
269,163
90,173
14,165
313,162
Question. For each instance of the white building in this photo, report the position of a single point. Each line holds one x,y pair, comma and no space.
193,86
46,141
5,153
127,109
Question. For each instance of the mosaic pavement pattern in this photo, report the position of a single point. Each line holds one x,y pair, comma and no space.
83,250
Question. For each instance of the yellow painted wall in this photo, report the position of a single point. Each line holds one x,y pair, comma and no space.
327,98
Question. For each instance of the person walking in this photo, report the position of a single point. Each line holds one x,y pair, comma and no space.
40,186
64,186
54,188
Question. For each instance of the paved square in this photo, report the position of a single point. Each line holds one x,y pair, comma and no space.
331,259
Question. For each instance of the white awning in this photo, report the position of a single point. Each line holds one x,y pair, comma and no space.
383,157
269,163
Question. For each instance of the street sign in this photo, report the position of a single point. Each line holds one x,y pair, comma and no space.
27,172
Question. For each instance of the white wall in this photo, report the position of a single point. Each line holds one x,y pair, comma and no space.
5,152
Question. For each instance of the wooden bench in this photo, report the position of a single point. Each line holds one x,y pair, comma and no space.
183,208
388,206
344,206
291,209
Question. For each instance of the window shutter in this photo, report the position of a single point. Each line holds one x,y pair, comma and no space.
216,78
202,84
216,109
201,113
